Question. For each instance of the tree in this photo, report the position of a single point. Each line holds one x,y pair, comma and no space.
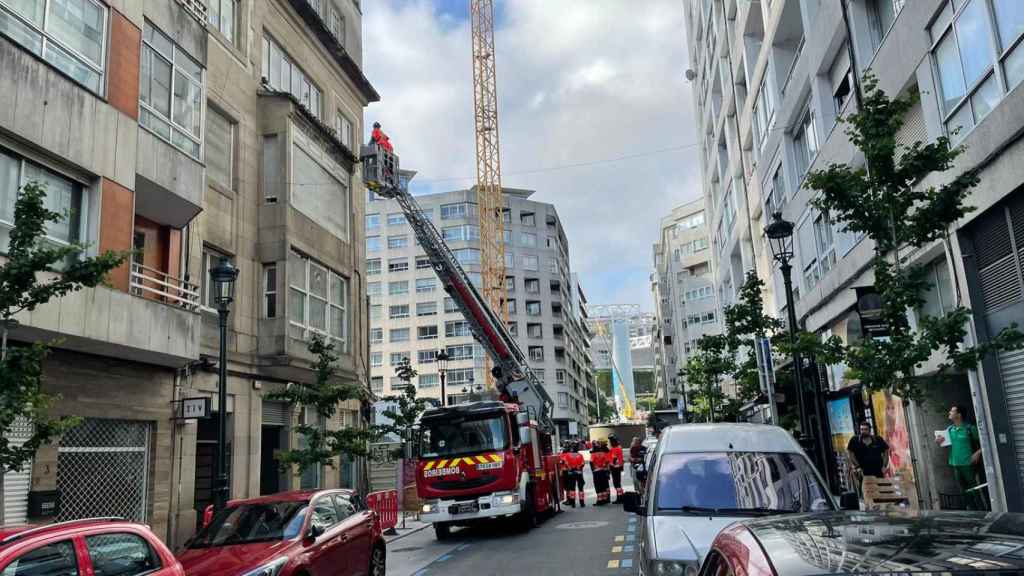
408,408
63,270
702,376
885,201
323,395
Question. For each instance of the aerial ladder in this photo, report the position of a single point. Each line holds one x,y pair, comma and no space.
514,380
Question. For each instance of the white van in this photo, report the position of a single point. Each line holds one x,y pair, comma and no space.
703,477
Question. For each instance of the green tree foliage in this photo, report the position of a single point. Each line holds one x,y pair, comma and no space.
408,408
884,199
702,376
324,395
36,271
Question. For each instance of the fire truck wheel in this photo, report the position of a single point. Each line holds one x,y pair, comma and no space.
527,519
442,530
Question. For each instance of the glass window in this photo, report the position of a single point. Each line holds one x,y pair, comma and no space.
270,291
422,263
510,260
467,255
533,308
69,34
450,307
426,332
531,263
973,30
325,515
398,311
442,437
170,92
428,380
426,285
376,335
377,384
398,335
57,559
398,288
397,357
344,127
373,266
456,328
318,300
528,240
222,17
63,196
220,147
121,554
395,242
951,80
461,352
398,264
376,312
373,243
252,523
281,73
426,308
396,219
527,219
452,211
426,356
1010,20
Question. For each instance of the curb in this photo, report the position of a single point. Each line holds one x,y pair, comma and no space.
409,533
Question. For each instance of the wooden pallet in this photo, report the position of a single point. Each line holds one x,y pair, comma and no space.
898,493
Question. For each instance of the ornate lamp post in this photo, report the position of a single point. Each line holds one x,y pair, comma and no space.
222,276
442,372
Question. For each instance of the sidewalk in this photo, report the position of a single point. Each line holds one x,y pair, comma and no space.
412,525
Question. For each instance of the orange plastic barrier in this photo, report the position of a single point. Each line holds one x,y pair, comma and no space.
385,504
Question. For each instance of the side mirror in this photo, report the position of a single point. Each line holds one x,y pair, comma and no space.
314,531
631,503
849,501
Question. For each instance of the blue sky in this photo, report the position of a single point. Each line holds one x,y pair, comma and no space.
595,115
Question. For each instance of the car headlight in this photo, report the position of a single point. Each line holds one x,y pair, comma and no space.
675,568
429,507
270,568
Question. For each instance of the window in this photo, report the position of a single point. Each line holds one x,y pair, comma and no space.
700,293
220,147
450,307
377,384
457,233
513,329
376,312
211,258
56,559
532,308
423,263
506,216
775,194
62,196
535,330
708,317
428,380
398,288
510,260
426,332
506,236
376,335
461,352
282,74
270,291
426,285
397,311
881,15
559,376
373,243
221,14
528,240
317,299
456,328
70,34
398,264
467,255
376,359
119,554
453,211
531,285
764,110
805,142
563,399
536,353
510,284
426,308
170,92
397,242
553,266
398,335
841,92
396,219
531,263
539,373
817,250
344,127
460,376
426,356
372,221
527,219
373,266
336,24
511,304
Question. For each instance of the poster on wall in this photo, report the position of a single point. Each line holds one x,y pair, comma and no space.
840,419
891,424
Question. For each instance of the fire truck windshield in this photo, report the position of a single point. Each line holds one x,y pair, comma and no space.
452,437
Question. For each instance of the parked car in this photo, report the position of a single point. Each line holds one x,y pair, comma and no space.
98,546
870,543
703,477
291,533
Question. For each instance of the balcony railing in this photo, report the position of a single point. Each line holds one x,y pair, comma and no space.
150,283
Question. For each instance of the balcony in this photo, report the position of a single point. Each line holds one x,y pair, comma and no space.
156,285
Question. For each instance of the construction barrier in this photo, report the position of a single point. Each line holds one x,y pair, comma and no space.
385,504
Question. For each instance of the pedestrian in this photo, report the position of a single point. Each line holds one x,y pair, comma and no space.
964,455
576,484
599,467
615,465
638,460
869,454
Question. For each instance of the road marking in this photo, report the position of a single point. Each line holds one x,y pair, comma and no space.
631,528
616,549
627,548
620,538
631,538
613,563
462,547
444,558
421,572
628,563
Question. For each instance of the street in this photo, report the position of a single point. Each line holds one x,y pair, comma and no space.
591,540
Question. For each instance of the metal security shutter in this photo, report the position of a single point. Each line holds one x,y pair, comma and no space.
998,273
913,129
275,413
17,484
1011,367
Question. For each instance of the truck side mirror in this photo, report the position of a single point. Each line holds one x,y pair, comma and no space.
314,531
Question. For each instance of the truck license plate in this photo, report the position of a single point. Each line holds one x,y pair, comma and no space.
463,508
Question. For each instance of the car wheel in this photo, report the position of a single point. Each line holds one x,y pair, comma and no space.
442,530
378,562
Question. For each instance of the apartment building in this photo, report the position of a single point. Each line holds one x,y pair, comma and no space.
411,317
686,305
187,131
771,80
639,328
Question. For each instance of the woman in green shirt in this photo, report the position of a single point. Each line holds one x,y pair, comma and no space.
963,456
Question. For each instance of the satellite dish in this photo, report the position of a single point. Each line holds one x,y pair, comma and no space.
690,74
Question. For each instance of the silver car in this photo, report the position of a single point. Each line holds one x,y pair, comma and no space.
703,477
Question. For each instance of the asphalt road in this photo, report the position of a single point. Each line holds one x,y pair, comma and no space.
591,540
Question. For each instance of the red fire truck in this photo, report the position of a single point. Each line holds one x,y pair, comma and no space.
486,459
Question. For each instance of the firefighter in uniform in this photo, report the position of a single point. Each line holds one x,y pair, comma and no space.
564,472
576,464
615,465
599,466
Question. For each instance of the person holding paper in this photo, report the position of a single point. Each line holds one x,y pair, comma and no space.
964,454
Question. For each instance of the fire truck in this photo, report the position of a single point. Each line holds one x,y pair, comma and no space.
485,459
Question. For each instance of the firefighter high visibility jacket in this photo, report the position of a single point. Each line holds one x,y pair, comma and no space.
615,456
576,462
599,460
563,460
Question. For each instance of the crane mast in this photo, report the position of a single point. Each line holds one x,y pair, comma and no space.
488,159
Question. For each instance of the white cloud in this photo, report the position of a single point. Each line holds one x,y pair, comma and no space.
579,81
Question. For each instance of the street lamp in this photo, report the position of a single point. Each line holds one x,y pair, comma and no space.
780,238
442,372
222,277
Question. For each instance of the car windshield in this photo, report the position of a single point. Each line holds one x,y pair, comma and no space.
738,483
246,523
455,436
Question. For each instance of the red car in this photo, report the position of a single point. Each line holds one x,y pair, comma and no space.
302,533
95,546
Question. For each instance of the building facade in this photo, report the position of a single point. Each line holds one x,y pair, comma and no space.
771,80
639,329
686,303
187,131
410,316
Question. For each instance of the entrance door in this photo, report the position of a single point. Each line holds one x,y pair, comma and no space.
272,440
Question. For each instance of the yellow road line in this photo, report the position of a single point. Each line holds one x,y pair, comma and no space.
616,549
613,563
620,538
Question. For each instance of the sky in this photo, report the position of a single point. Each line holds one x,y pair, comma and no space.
595,115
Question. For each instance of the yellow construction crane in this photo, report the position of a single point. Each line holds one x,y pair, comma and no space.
488,161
